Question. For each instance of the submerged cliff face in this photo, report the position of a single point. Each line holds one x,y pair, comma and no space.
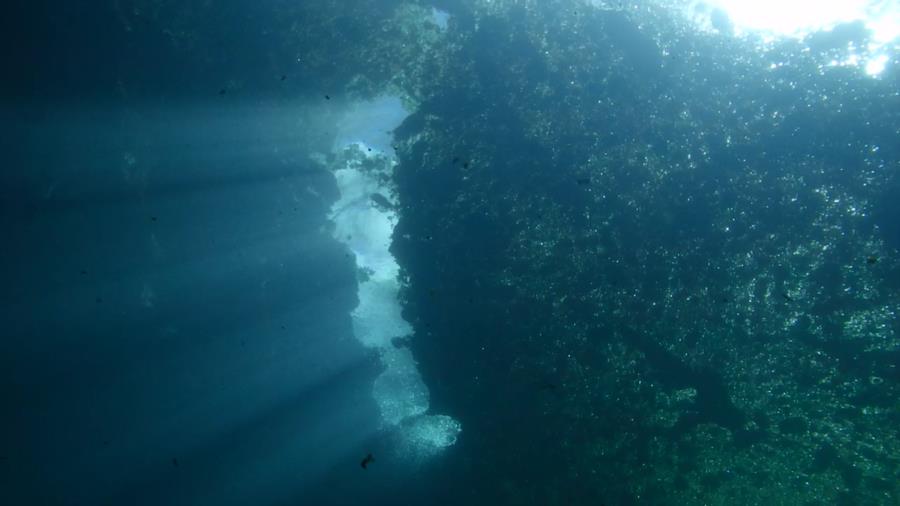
642,261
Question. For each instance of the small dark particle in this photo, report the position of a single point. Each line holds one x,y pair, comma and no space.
105,443
327,97
153,218
83,272
872,260
366,461
455,160
465,165
242,344
175,462
283,78
283,327
222,91
583,181
370,150
98,300
787,297
724,299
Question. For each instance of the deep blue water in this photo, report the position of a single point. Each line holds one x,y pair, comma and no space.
639,267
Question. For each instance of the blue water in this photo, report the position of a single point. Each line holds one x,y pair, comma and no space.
450,252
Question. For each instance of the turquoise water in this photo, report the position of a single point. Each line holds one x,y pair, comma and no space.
453,252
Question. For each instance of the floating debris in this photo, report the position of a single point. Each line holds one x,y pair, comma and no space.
366,461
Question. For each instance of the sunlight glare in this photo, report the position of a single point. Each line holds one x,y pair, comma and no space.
772,19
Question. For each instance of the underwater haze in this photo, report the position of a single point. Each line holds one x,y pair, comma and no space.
450,252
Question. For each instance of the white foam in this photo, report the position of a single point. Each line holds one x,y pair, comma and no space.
440,18
399,390
428,435
365,225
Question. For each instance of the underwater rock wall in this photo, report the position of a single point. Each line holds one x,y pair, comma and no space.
653,254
